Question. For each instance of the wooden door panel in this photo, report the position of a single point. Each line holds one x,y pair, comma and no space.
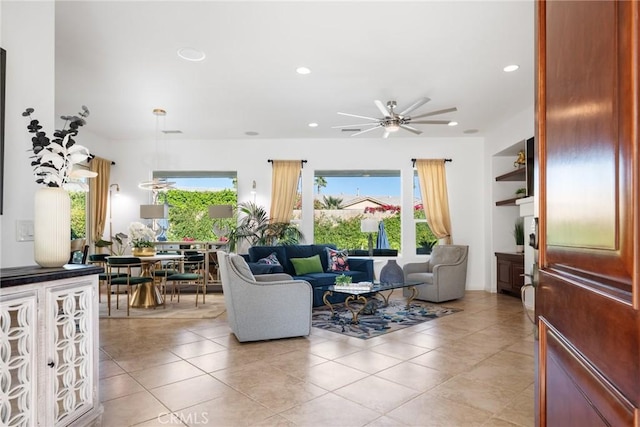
581,82
588,297
600,326
589,141
576,394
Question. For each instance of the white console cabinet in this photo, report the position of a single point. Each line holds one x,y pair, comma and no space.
49,346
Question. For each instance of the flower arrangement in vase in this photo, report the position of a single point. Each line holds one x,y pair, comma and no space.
141,240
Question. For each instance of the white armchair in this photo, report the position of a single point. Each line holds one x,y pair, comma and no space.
444,274
263,307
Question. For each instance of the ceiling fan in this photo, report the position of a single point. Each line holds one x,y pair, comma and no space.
392,121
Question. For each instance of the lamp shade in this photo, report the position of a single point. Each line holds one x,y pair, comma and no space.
153,211
221,211
369,225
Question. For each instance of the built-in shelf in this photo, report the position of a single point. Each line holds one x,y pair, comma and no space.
508,202
519,174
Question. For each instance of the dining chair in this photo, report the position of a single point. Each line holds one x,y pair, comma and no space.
192,274
126,266
101,261
160,272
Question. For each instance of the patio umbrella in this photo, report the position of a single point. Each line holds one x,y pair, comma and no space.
382,242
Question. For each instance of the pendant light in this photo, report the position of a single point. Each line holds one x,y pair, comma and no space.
157,184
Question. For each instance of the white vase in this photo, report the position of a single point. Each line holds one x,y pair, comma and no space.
52,227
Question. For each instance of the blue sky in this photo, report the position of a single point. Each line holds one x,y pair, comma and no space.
364,186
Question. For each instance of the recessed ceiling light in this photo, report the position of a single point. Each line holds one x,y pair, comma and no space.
469,131
452,123
313,125
303,70
510,68
251,133
191,54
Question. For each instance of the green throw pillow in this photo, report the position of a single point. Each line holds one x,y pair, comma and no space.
307,265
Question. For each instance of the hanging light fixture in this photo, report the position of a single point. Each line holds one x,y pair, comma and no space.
157,184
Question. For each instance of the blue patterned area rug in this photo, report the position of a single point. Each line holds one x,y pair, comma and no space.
387,319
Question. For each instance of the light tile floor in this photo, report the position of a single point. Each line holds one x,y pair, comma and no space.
473,368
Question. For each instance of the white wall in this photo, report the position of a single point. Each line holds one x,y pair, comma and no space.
135,159
28,37
500,220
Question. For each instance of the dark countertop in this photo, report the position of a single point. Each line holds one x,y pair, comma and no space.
18,276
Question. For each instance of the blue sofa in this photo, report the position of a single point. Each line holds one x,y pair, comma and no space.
360,269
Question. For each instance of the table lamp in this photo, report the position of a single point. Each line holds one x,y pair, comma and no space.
154,213
369,225
220,212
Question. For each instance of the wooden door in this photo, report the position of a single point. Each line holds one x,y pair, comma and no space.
587,301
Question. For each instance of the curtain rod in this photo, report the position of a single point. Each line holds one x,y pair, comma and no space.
92,156
413,162
302,162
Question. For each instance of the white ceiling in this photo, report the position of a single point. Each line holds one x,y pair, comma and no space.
119,58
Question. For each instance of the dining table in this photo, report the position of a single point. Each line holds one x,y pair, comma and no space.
147,295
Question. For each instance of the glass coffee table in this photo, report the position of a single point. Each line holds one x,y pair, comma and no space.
360,294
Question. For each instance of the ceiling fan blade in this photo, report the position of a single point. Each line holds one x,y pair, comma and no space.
431,122
419,103
359,124
435,113
360,117
410,129
382,108
366,130
386,134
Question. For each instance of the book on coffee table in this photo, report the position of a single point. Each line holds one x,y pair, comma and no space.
359,286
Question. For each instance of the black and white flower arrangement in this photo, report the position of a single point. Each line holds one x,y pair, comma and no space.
53,160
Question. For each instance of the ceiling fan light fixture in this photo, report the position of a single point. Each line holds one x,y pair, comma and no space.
392,127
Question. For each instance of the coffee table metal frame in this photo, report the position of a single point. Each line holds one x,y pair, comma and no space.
376,289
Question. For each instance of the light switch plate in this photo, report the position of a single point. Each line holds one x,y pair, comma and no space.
24,231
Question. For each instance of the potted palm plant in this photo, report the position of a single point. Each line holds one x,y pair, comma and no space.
255,228
518,234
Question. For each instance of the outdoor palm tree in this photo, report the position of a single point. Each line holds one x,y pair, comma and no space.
320,182
329,202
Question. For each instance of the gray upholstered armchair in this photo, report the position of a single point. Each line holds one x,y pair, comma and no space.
263,307
444,273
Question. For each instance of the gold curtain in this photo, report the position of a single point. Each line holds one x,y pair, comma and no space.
99,191
435,198
284,188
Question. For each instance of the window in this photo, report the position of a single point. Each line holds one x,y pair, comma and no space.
78,213
424,236
189,202
78,189
343,198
